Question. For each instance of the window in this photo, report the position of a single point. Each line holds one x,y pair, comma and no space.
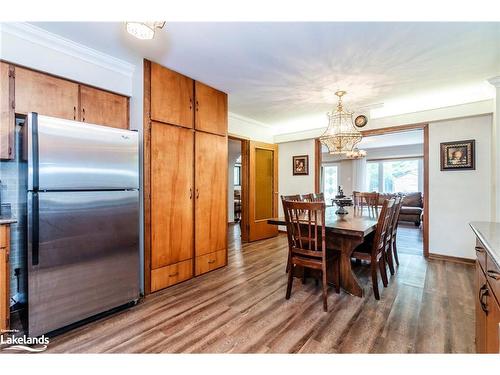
237,175
395,176
330,181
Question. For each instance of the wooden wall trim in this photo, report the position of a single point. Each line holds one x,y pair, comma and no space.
318,160
449,258
147,175
393,129
426,191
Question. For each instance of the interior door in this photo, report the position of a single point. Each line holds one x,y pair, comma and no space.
103,108
263,190
171,194
171,97
211,193
46,95
211,109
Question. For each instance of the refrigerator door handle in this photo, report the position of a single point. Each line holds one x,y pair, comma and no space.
35,209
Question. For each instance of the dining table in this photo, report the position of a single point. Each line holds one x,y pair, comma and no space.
344,233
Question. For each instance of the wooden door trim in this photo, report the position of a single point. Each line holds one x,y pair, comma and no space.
245,148
147,175
318,160
390,130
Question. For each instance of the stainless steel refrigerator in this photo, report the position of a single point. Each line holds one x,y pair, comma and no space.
83,221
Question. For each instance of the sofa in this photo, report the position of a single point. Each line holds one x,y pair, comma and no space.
412,208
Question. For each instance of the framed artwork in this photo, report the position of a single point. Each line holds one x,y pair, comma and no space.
300,165
458,155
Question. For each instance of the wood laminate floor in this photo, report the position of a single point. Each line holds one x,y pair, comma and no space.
427,308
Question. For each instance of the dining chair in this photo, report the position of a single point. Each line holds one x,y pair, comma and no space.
307,244
394,229
292,198
313,197
366,199
388,250
376,250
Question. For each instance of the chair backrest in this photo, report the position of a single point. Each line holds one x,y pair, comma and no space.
295,198
313,197
306,227
366,199
383,225
395,216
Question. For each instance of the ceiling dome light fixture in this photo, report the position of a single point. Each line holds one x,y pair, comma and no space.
341,135
144,30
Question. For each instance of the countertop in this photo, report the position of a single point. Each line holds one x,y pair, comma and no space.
489,234
7,219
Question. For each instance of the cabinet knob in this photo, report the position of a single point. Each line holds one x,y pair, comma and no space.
173,274
211,261
197,193
190,193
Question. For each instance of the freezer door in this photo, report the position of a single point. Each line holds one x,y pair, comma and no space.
83,255
70,155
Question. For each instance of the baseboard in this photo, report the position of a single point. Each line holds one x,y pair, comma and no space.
449,258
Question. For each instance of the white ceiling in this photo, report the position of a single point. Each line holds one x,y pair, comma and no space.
278,72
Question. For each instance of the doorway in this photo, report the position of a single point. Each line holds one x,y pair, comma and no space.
396,162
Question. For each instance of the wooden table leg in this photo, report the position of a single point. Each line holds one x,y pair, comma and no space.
348,280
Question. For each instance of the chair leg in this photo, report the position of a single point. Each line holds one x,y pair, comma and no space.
288,263
373,267
390,260
325,289
303,275
383,270
290,282
395,250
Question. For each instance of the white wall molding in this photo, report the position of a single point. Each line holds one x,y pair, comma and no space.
57,43
484,107
495,81
248,119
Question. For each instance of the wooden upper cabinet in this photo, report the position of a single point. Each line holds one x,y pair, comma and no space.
104,108
171,97
211,109
172,194
46,95
211,192
7,121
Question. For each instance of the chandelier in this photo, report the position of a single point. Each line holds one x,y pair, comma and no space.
341,135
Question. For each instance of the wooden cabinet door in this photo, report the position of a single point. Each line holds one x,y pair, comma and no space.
481,290
7,121
47,95
172,194
493,326
171,97
211,193
4,277
104,108
211,109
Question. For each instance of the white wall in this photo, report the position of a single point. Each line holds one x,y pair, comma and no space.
288,183
458,197
247,128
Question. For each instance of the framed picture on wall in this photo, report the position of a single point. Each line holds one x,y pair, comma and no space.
300,165
458,155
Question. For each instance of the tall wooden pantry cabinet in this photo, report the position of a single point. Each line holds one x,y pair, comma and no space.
185,177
